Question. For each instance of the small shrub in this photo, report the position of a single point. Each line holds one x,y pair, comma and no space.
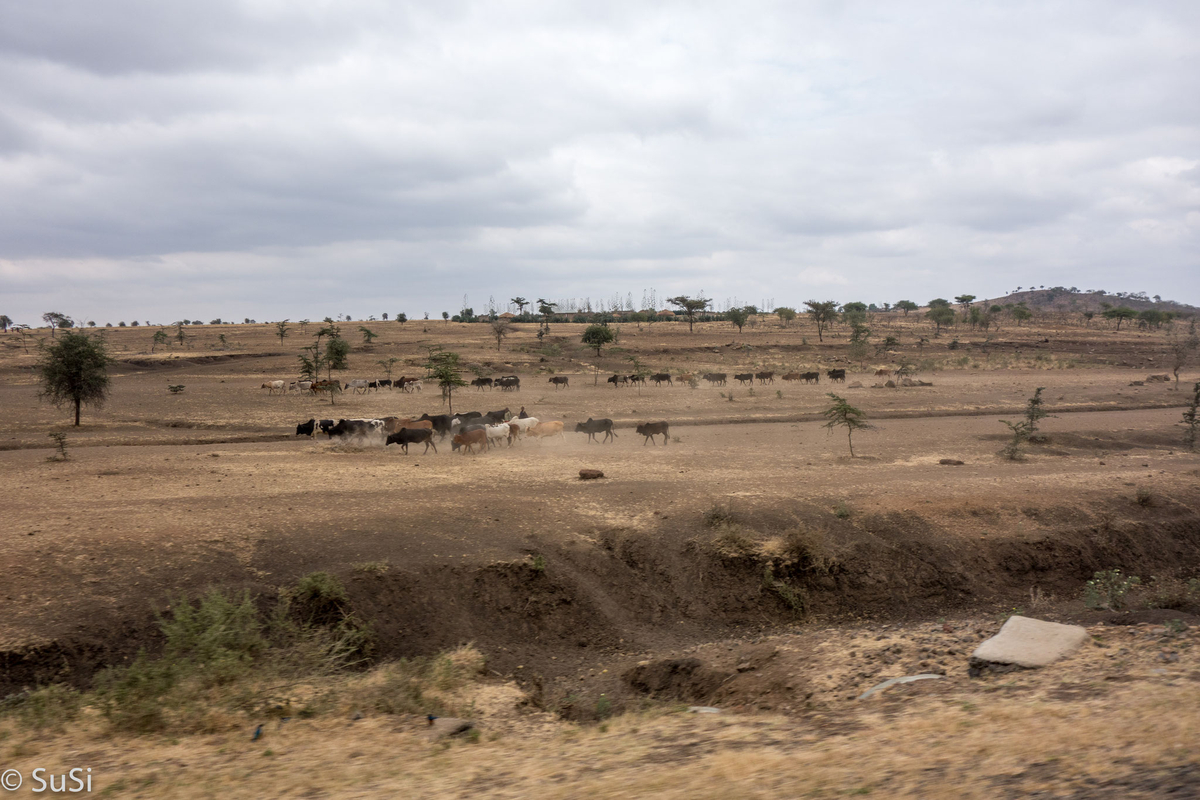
1143,497
1173,593
779,394
953,345
538,564
46,707
751,392
733,543
373,567
841,510
794,598
321,597
1107,589
60,443
175,388
719,515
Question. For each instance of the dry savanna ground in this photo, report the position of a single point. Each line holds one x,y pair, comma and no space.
752,542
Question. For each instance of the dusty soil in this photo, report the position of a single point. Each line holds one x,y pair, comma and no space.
751,524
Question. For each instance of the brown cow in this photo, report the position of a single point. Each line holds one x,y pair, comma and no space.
544,429
882,373
792,376
467,441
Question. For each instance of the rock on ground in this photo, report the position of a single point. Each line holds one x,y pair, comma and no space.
1029,643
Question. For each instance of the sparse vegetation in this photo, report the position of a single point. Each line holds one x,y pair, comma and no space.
60,444
841,414
75,370
1107,590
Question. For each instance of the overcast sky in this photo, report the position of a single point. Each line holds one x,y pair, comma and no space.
301,158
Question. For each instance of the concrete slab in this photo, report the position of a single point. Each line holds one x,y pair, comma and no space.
1030,643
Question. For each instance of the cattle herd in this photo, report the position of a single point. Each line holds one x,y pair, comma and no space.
477,431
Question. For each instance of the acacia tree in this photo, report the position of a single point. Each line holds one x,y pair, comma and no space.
841,414
1181,350
689,306
160,337
388,364
443,367
785,314
738,317
56,320
906,306
520,303
1120,314
501,328
940,313
965,301
823,313
597,336
281,330
5,321
367,334
75,370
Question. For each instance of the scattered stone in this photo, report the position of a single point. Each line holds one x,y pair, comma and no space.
951,462
894,681
911,382
1028,643
855,385
590,474
890,384
1137,383
1164,378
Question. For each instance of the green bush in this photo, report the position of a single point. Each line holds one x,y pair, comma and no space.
1107,590
47,707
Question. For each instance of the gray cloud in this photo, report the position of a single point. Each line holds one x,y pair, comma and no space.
157,156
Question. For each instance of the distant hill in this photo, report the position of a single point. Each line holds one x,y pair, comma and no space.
1061,299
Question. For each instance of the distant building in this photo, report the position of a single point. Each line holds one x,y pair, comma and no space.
666,313
507,315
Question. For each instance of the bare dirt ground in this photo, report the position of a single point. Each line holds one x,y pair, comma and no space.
567,585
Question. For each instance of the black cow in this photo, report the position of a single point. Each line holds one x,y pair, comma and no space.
441,423
406,436
496,417
637,378
509,382
745,377
715,378
765,377
836,375
482,382
372,385
325,426
385,382
810,377
558,381
652,429
594,426
617,380
307,428
660,377
356,427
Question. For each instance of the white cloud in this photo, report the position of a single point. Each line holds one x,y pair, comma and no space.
198,159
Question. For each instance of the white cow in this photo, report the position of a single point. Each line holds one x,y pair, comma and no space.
496,433
520,427
359,383
274,386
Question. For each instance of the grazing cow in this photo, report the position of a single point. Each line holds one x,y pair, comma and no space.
373,385
357,427
686,377
637,378
496,417
617,380
325,426
406,436
744,377
660,377
836,375
274,386
307,428
470,439
882,373
482,382
385,382
793,376
715,378
765,377
325,386
810,377
545,429
440,423
559,380
594,426
394,424
303,386
413,385
508,383
358,385
652,429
